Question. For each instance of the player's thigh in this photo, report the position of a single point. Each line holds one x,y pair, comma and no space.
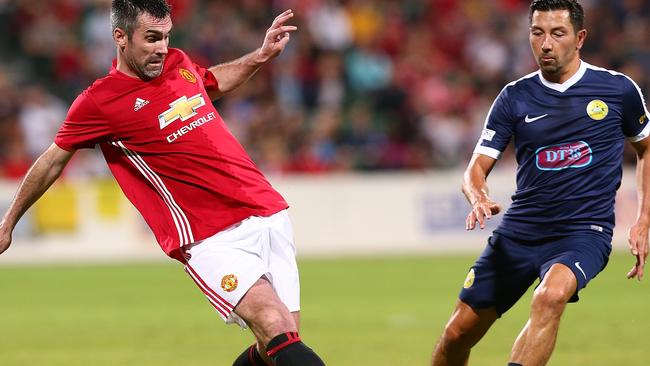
264,312
226,265
282,265
282,314
501,275
558,285
585,254
250,265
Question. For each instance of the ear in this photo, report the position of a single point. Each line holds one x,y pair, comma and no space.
582,35
120,37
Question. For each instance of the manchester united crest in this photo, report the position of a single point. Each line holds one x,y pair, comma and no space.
469,281
229,283
187,75
597,109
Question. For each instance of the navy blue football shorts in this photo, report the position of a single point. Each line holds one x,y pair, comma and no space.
507,268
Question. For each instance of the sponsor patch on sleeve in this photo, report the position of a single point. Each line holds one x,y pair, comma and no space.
487,134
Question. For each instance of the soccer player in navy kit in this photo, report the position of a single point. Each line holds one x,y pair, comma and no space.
569,122
200,193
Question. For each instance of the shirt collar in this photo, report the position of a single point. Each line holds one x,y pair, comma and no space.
567,84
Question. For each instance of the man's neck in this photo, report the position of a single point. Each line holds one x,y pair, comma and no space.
123,67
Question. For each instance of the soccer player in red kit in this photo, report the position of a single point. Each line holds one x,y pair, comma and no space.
175,160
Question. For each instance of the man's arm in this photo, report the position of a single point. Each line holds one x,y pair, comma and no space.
638,234
232,74
476,191
39,178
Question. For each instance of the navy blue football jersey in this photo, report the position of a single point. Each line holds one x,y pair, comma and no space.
569,141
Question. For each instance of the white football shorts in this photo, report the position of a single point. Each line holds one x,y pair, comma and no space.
227,264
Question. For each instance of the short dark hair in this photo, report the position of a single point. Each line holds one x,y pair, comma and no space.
576,13
124,13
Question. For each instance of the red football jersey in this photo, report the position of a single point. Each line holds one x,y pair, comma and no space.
170,152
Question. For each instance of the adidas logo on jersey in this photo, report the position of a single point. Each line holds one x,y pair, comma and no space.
139,103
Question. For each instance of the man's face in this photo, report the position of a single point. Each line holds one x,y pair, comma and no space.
146,50
554,41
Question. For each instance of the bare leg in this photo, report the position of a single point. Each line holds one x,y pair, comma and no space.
537,340
261,348
265,313
464,329
520,341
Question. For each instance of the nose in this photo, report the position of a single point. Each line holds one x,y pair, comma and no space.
161,47
547,43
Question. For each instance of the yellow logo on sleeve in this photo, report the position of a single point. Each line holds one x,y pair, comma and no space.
469,281
597,109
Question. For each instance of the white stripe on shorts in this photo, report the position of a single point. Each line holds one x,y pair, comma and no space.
219,303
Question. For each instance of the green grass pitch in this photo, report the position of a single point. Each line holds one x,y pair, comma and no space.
356,312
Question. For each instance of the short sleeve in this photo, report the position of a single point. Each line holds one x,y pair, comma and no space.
209,81
498,128
84,126
635,113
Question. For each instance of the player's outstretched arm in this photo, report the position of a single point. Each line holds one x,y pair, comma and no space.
232,74
638,233
39,178
476,191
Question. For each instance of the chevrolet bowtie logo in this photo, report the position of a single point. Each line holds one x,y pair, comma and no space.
182,108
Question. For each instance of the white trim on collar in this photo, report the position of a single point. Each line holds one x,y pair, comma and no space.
567,84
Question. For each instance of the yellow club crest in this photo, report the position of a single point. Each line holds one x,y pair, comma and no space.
597,109
469,280
642,119
187,75
229,283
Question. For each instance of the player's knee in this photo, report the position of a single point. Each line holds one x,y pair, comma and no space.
281,324
271,322
550,299
455,337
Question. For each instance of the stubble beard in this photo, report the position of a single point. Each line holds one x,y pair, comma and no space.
142,71
551,69
152,74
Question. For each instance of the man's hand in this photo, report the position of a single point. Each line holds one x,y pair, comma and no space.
276,37
481,210
234,73
638,241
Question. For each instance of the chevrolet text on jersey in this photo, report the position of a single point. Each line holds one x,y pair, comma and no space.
185,129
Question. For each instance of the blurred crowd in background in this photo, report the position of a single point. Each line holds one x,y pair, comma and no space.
364,85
